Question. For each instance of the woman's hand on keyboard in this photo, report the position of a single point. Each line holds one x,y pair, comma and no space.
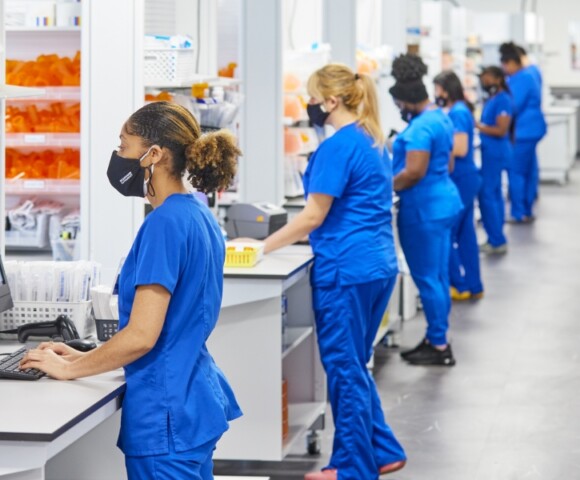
47,361
61,349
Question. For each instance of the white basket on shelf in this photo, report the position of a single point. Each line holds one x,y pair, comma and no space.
29,239
32,312
167,67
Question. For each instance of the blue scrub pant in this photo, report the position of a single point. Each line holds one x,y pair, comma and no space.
347,321
195,464
426,246
491,203
524,178
464,272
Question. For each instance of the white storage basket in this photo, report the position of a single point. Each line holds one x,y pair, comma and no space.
169,67
31,312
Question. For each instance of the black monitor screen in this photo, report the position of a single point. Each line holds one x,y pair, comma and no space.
5,297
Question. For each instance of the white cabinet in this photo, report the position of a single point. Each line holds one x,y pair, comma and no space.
557,151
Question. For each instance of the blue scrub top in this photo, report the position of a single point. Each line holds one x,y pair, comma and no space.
537,74
176,389
463,122
530,122
499,105
435,196
355,243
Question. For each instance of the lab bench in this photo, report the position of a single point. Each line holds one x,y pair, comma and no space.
257,355
51,430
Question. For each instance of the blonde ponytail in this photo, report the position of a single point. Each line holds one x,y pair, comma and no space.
370,118
358,94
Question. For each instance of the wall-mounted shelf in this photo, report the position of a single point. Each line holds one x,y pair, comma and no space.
42,187
211,80
12,91
42,29
53,94
61,140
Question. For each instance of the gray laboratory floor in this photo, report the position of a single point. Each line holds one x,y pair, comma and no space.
510,409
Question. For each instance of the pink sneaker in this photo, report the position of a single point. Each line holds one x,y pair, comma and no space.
330,474
392,467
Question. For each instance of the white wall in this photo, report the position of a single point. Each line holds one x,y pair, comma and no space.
557,65
556,49
302,21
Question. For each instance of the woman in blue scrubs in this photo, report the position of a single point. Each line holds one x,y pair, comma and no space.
348,186
530,128
429,204
177,403
496,156
464,271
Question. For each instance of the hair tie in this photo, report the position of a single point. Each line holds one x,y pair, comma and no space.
356,76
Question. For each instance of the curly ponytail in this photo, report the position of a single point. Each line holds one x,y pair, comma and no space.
210,160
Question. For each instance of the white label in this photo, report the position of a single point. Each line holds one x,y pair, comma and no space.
34,184
36,139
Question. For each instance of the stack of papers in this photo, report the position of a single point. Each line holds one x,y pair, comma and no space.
105,304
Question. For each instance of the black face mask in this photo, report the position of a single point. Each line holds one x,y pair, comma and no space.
317,114
128,177
408,115
490,90
441,101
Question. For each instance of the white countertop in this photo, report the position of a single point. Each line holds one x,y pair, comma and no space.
280,264
42,410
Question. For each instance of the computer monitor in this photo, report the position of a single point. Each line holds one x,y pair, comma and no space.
5,297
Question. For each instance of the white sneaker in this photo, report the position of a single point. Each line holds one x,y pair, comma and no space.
489,249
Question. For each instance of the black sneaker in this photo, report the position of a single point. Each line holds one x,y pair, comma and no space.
421,346
429,355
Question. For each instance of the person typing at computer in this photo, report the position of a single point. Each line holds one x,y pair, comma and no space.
177,403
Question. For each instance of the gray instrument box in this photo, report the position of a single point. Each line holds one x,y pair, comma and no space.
254,220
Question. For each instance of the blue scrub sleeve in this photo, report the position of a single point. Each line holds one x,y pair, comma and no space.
504,106
462,122
160,253
330,171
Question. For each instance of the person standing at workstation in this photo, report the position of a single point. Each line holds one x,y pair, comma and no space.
348,185
529,66
530,128
496,156
429,204
177,403
464,271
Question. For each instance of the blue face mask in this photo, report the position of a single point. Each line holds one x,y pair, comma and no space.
317,114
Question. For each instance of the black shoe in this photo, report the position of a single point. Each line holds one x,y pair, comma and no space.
424,343
429,355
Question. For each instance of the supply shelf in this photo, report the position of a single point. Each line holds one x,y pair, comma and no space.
42,187
55,29
301,417
293,337
36,140
12,91
50,94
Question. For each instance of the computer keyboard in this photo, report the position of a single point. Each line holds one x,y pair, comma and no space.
9,367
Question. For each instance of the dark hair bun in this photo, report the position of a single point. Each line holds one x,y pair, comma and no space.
408,68
508,49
